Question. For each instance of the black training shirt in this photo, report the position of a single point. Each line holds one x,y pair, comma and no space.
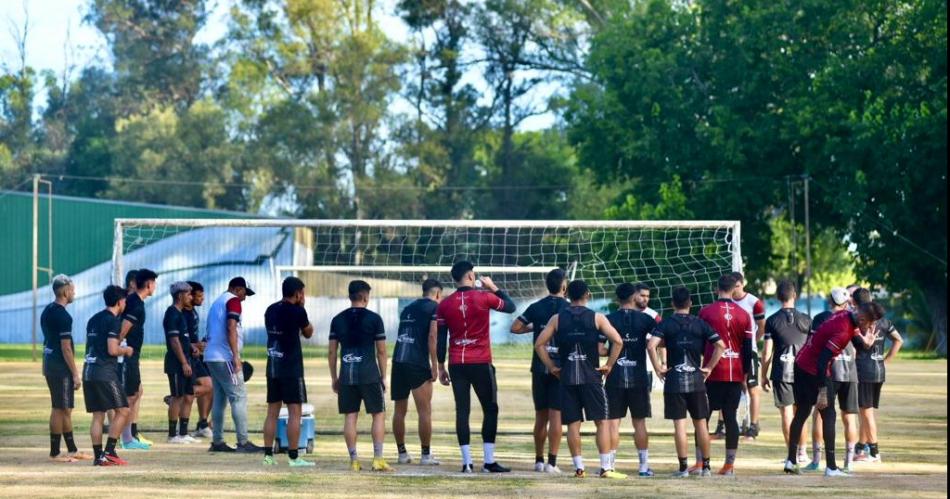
357,330
537,315
57,325
284,323
685,337
412,342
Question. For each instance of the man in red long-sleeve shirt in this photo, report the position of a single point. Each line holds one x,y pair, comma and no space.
463,325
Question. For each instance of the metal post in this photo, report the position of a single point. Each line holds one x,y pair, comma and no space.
36,263
807,242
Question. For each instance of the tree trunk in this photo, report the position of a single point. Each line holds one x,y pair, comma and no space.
935,295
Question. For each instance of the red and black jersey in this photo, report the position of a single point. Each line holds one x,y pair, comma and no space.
734,326
465,314
835,334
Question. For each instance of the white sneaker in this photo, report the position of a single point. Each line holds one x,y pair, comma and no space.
429,460
177,440
837,472
404,458
189,439
202,433
553,470
539,467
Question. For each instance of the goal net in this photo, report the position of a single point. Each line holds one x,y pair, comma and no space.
395,256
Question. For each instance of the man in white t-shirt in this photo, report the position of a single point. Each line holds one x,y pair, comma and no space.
756,309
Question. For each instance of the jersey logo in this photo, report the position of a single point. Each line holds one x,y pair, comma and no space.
787,357
626,363
876,356
91,359
551,348
352,359
730,354
405,338
631,339
465,342
844,357
728,314
684,368
575,357
277,354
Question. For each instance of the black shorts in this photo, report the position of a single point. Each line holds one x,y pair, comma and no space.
199,370
637,400
546,391
370,395
103,395
784,393
805,388
286,390
723,395
405,378
869,395
752,377
847,393
62,391
180,385
586,402
676,405
131,376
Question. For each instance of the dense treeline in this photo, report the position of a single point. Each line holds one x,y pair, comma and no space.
665,110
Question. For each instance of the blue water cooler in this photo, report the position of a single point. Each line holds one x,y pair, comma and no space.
307,430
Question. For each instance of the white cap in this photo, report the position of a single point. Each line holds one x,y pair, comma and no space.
840,296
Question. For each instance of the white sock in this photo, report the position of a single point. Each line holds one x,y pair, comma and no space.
613,459
849,456
578,462
644,459
605,461
466,454
489,452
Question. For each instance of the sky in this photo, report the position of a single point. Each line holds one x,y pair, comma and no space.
58,38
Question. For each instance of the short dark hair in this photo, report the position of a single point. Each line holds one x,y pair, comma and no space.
130,277
429,284
459,269
358,289
638,287
196,287
861,296
786,289
554,280
112,294
739,277
727,283
681,297
874,310
142,276
625,291
291,285
577,290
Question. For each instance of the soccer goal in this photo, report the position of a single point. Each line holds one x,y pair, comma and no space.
394,256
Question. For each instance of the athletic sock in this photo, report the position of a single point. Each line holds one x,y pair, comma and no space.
538,459
70,443
605,462
706,463
873,449
466,453
684,463
353,455
401,448
426,450
110,445
731,456
127,435
848,455
134,428
578,462
97,451
489,449
816,454
644,456
377,450
859,448
172,428
292,454
54,439
552,459
699,454
269,450
202,424
183,426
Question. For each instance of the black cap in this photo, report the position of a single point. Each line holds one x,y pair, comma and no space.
239,282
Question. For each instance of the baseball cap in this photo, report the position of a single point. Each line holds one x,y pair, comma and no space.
840,296
179,287
239,282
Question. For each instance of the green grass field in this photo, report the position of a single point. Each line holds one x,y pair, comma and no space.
913,423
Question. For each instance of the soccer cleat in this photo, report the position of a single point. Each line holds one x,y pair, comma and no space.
494,468
875,459
552,470
380,464
176,440
221,447
429,460
61,458
135,445
189,439
836,473
202,433
80,456
680,474
611,474
862,458
467,468
270,461
141,438
753,432
695,469
705,473
114,459
812,466
727,470
580,473
646,474
792,468
846,469
539,467
301,463
355,465
404,458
